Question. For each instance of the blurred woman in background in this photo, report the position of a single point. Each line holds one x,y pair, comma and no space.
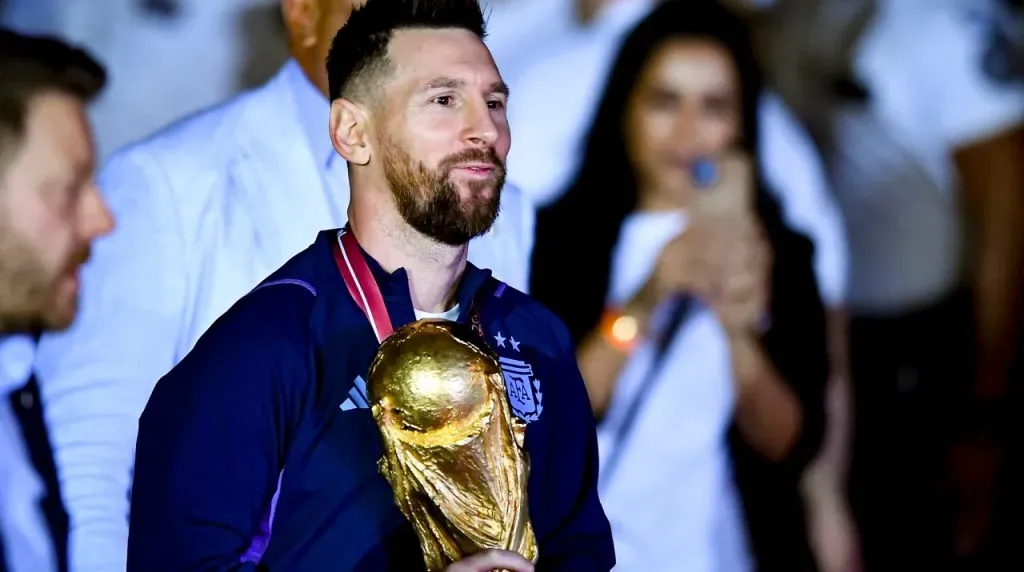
699,327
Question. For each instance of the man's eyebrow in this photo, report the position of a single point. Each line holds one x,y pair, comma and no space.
451,83
443,83
500,87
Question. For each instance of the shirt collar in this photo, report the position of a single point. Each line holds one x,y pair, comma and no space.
314,113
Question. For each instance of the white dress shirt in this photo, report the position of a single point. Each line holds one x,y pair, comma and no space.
28,546
206,209
670,497
894,178
561,91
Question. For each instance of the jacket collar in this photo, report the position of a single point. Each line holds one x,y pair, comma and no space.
394,287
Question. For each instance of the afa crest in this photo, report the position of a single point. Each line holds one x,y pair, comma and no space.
523,389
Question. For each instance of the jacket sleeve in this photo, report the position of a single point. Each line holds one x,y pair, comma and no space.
583,540
95,378
214,435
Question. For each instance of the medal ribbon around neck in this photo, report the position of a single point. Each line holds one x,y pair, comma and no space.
361,284
363,288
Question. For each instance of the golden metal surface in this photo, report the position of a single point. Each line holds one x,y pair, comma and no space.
453,452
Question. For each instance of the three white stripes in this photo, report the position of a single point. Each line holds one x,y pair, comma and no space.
356,396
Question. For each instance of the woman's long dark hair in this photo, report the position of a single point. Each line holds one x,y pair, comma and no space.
576,234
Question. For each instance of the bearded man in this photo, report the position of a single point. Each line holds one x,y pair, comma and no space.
259,450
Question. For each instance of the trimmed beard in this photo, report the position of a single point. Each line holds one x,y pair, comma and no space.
429,202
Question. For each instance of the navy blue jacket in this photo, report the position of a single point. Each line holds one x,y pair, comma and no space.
268,410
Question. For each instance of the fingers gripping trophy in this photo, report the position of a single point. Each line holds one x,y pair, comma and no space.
453,451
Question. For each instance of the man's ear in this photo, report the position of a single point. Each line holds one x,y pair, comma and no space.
350,131
301,18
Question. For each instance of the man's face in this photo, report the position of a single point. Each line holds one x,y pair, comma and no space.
50,211
445,136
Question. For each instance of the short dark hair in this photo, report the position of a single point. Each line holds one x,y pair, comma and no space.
359,53
32,65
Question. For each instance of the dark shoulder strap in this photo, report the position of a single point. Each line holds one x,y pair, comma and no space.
677,317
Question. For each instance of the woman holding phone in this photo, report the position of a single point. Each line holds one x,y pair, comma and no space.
695,311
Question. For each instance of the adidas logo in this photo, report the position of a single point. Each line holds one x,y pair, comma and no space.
356,396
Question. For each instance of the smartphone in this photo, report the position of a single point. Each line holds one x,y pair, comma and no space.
724,189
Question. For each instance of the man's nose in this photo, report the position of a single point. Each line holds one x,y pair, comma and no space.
97,219
482,129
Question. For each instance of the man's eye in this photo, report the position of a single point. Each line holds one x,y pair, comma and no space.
497,104
444,100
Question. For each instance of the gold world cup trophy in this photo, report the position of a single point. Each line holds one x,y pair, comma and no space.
453,452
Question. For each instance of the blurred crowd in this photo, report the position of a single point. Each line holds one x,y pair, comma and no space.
786,237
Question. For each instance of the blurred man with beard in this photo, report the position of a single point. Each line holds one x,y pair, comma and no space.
50,211
258,451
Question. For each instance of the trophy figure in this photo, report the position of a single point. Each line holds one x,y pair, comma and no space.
453,452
